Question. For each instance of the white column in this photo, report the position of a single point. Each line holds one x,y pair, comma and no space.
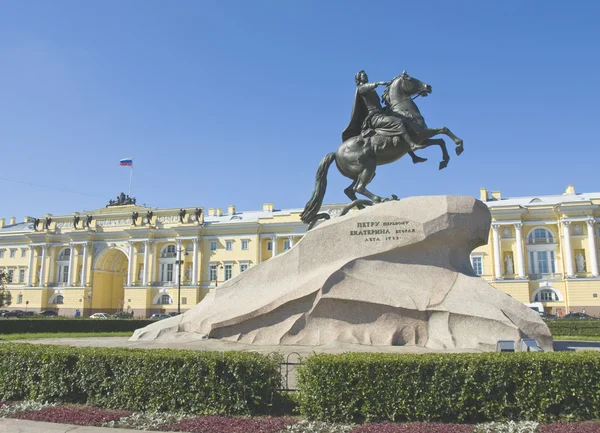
130,264
52,265
274,245
195,263
84,265
592,246
520,255
497,261
43,266
146,260
291,241
155,264
71,261
31,270
567,249
177,267
260,241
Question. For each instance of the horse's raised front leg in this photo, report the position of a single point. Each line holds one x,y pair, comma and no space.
458,141
439,142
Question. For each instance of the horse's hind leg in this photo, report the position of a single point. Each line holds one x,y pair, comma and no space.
364,179
350,190
352,194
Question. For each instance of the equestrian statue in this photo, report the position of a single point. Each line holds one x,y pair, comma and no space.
378,135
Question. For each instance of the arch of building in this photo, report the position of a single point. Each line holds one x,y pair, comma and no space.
109,271
553,295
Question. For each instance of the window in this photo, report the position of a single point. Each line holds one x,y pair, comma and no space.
1,254
477,263
212,273
166,272
19,299
286,245
13,252
169,251
21,275
243,267
541,262
58,299
269,246
228,272
10,275
546,295
228,245
540,236
165,300
245,244
183,301
65,254
213,246
63,274
23,252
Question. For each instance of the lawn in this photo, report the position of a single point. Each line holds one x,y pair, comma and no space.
35,336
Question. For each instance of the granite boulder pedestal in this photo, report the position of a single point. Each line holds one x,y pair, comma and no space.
393,274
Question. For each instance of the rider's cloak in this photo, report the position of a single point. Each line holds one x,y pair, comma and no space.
359,114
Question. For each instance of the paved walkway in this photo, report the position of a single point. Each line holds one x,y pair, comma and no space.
8,425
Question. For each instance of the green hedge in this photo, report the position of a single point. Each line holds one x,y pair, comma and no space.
584,328
192,381
20,326
451,387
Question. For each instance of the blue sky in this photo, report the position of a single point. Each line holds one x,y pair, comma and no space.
236,102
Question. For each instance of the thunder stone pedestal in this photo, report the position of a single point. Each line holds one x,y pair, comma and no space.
397,273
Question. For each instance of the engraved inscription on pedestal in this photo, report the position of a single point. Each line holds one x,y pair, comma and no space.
378,231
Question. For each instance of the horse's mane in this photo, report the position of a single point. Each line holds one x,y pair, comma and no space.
385,98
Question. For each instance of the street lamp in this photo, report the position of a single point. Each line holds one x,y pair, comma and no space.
217,275
179,263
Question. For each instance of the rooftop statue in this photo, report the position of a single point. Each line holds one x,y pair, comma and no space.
378,135
122,200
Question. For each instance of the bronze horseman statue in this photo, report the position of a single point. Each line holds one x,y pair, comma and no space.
377,136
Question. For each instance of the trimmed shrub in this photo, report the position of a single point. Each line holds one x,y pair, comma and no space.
583,328
451,387
22,326
232,383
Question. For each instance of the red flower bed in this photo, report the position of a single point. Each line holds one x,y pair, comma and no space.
415,427
222,424
575,427
79,415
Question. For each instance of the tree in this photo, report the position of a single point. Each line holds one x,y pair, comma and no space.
5,298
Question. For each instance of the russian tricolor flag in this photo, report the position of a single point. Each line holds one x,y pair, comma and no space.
127,162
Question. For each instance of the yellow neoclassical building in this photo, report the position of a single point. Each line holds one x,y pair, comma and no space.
134,258
128,257
544,249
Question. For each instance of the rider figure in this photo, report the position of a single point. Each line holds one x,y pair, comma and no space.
368,115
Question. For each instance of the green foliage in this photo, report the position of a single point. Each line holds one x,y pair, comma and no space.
5,298
232,383
52,324
451,387
578,327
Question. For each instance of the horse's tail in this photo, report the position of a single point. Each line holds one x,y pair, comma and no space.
309,214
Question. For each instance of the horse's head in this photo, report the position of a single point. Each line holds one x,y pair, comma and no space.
404,86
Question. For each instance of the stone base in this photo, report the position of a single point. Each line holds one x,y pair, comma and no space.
395,274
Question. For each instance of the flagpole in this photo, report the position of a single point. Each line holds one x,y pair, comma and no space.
130,176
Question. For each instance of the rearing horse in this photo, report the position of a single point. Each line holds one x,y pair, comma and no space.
357,158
